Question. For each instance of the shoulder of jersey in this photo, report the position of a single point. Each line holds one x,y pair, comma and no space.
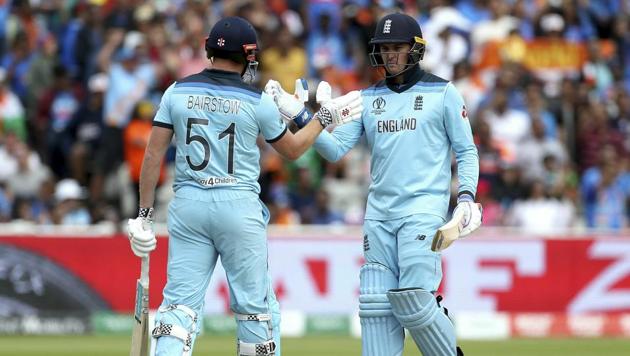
379,85
201,77
432,80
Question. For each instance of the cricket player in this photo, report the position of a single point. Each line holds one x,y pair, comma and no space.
216,118
412,121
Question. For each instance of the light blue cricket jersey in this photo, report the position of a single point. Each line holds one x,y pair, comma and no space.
410,134
217,119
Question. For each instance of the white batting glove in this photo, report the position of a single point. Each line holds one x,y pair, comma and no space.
472,213
324,93
340,110
291,107
141,234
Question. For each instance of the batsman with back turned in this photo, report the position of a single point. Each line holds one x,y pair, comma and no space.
412,121
216,118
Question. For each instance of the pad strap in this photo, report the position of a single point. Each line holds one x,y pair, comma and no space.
266,348
175,331
252,317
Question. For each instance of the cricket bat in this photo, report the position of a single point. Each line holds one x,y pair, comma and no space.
448,233
140,335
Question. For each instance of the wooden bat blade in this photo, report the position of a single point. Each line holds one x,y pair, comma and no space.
140,335
446,234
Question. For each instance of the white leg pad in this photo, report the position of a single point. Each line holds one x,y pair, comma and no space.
418,311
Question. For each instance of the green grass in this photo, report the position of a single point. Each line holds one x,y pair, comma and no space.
310,346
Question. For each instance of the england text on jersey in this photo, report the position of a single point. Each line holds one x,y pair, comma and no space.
213,104
396,125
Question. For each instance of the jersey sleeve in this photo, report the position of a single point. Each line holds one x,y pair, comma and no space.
269,120
460,135
333,146
163,116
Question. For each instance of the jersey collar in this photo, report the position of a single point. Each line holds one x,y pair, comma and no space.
412,76
221,73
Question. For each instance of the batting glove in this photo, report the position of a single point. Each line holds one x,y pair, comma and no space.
340,110
472,213
291,107
141,234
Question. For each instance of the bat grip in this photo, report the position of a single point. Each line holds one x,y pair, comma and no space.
144,271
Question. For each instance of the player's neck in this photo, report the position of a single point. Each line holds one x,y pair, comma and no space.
225,65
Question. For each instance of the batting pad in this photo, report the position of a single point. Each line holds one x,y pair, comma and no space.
255,334
175,330
418,311
381,333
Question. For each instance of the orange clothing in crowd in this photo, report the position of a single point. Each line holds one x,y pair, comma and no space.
136,139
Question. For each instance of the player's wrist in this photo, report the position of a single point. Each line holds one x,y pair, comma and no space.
145,213
303,118
325,116
465,196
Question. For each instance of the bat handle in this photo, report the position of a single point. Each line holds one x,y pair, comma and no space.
144,271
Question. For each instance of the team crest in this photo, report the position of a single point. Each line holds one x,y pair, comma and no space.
388,26
464,113
378,105
417,104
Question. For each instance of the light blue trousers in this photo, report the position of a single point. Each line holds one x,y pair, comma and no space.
206,224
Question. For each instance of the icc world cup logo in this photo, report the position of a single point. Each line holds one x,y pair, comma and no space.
379,103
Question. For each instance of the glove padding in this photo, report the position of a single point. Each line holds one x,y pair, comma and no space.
141,236
472,213
291,107
339,110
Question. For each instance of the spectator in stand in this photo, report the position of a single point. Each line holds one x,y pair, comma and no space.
324,46
491,153
509,187
40,78
11,153
69,208
12,118
595,130
606,191
596,72
323,214
17,64
539,213
133,76
6,204
56,110
302,195
508,126
137,136
85,128
534,148
27,179
284,61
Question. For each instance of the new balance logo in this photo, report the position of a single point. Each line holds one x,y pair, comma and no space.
421,237
417,105
388,26
366,243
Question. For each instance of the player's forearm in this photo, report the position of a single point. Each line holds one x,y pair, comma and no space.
328,147
468,169
306,137
149,175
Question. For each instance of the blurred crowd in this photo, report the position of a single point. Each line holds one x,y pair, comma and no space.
546,82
